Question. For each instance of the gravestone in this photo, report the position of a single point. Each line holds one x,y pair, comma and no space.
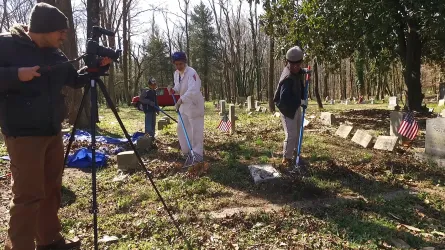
258,109
331,102
127,160
343,131
362,138
250,104
263,173
441,102
232,118
346,102
394,124
372,101
167,119
222,105
387,143
327,118
435,137
144,143
257,104
393,102
161,124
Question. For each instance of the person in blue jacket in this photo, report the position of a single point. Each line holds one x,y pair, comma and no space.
149,102
289,97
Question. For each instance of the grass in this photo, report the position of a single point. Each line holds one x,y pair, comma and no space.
338,170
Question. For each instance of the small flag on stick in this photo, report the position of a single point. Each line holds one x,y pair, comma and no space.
409,126
224,124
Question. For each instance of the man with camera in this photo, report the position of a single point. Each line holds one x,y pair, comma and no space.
31,111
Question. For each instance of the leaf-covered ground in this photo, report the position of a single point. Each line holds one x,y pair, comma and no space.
351,197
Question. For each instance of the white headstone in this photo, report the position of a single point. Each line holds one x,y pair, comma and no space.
435,137
346,102
394,124
343,131
393,102
250,104
372,101
327,118
387,143
263,173
222,105
362,138
441,102
257,104
331,102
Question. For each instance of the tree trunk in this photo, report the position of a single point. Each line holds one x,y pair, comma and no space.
271,74
412,69
125,8
317,93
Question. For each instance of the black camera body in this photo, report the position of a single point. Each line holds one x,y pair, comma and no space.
95,52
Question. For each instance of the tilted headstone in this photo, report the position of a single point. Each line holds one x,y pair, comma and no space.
394,124
250,104
343,131
327,118
127,160
441,102
222,105
232,118
435,137
387,143
393,102
263,173
362,138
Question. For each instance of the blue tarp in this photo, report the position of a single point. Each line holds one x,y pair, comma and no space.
82,156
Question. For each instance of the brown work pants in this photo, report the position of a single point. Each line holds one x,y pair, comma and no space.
36,169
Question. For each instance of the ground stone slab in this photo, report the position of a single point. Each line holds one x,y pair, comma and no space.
263,173
127,160
387,143
343,131
327,118
362,138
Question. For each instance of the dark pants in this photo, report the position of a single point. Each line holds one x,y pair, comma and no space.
36,169
150,123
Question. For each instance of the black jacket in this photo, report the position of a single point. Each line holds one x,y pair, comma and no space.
289,93
36,107
148,99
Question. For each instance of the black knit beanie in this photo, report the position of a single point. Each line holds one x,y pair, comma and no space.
46,18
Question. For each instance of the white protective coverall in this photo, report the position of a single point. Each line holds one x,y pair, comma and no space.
188,84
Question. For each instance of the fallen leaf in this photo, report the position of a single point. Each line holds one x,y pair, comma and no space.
415,229
107,238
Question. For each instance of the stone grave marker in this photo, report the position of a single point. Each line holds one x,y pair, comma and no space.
263,173
331,102
387,143
250,104
441,102
372,100
127,160
362,138
232,118
435,137
257,104
346,102
327,118
393,102
144,143
343,131
161,124
222,105
394,123
167,119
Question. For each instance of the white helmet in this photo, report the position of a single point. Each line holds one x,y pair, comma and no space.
294,54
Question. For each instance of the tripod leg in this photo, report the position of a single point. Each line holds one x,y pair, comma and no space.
79,113
141,163
94,111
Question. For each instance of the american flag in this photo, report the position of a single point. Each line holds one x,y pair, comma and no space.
224,124
409,127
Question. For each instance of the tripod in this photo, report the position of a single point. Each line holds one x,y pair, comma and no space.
95,81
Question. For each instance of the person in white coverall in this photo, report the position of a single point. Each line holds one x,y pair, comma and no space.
190,104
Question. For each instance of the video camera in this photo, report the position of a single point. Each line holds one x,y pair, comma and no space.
95,52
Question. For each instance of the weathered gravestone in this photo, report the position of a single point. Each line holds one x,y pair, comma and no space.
394,123
387,143
327,118
257,104
263,173
362,138
331,102
127,160
144,143
250,104
435,137
441,102
167,119
222,105
393,102
161,124
232,118
372,100
343,131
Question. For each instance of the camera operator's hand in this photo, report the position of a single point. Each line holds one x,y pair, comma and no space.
178,104
105,61
28,73
304,104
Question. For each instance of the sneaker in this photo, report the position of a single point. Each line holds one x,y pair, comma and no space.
61,244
